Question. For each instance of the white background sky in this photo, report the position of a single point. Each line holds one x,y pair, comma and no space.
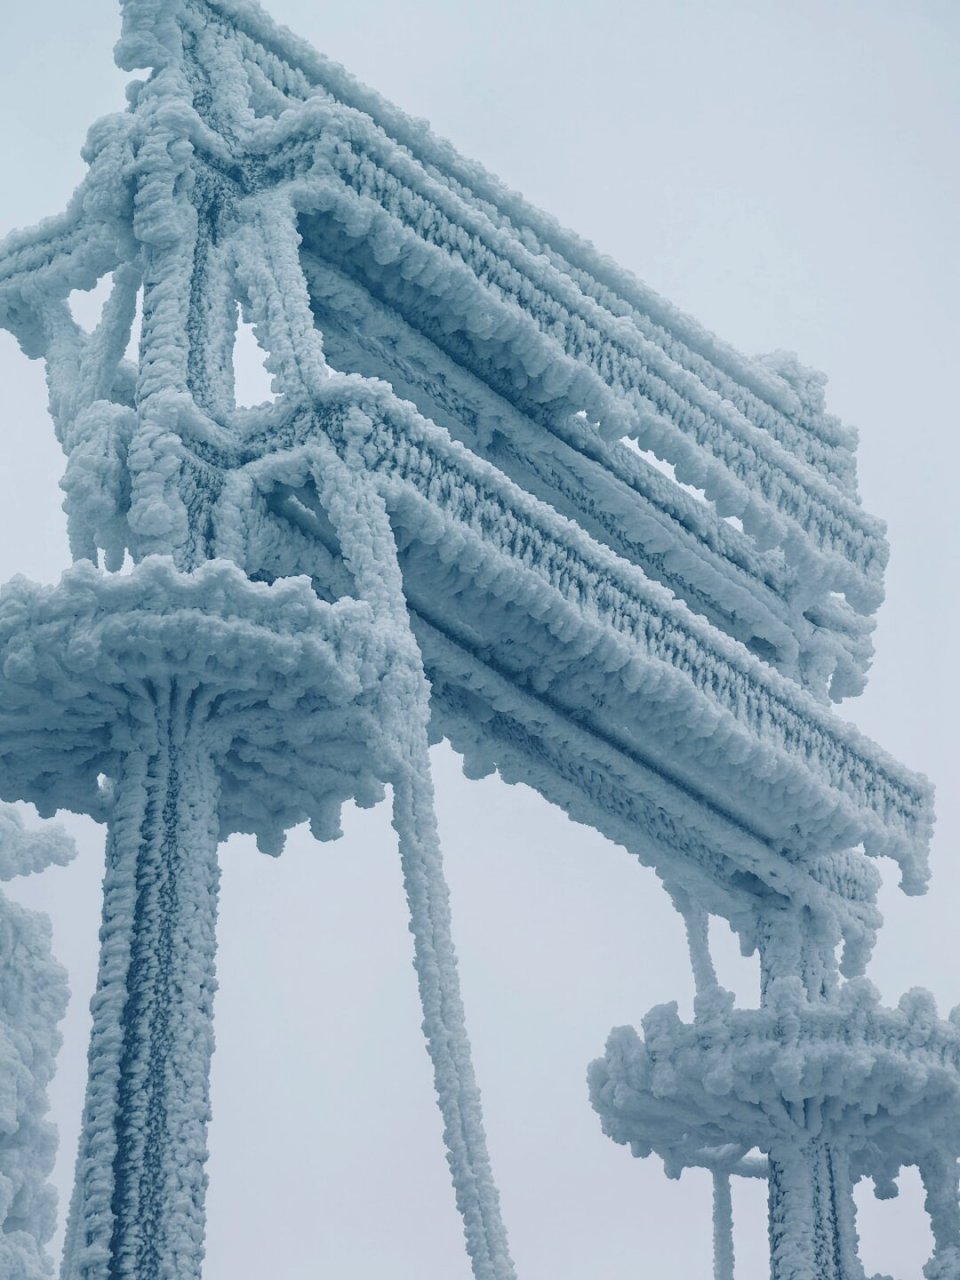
787,173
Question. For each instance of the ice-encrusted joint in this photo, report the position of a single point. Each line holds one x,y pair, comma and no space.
139,1209
796,946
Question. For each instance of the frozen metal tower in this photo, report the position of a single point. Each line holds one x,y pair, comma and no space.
539,513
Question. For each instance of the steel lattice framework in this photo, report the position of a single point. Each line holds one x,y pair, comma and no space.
541,514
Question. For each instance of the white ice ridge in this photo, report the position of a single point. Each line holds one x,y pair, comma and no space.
33,998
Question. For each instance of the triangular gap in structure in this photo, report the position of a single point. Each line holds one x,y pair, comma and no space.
264,97
252,383
303,506
86,305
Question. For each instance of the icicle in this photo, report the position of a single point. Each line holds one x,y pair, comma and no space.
696,923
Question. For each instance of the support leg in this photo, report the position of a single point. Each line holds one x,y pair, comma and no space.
722,1227
137,1212
941,1182
812,1222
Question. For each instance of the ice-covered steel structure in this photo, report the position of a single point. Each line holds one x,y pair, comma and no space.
506,495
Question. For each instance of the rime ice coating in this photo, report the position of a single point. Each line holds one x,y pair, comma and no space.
542,514
33,999
829,1092
286,686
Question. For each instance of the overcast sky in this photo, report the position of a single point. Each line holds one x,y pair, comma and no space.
785,171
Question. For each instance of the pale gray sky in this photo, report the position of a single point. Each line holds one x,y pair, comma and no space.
786,171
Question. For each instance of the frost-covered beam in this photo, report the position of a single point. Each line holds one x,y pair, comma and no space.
535,353
235,38
617,496
358,516
502,296
497,723
672,689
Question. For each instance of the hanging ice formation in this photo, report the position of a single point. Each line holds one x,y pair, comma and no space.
468,535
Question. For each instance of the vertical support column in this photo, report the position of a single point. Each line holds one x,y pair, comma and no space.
941,1182
812,1221
137,1211
722,1226
792,1221
812,1216
444,1022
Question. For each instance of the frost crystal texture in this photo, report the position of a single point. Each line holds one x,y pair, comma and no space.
486,529
33,997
